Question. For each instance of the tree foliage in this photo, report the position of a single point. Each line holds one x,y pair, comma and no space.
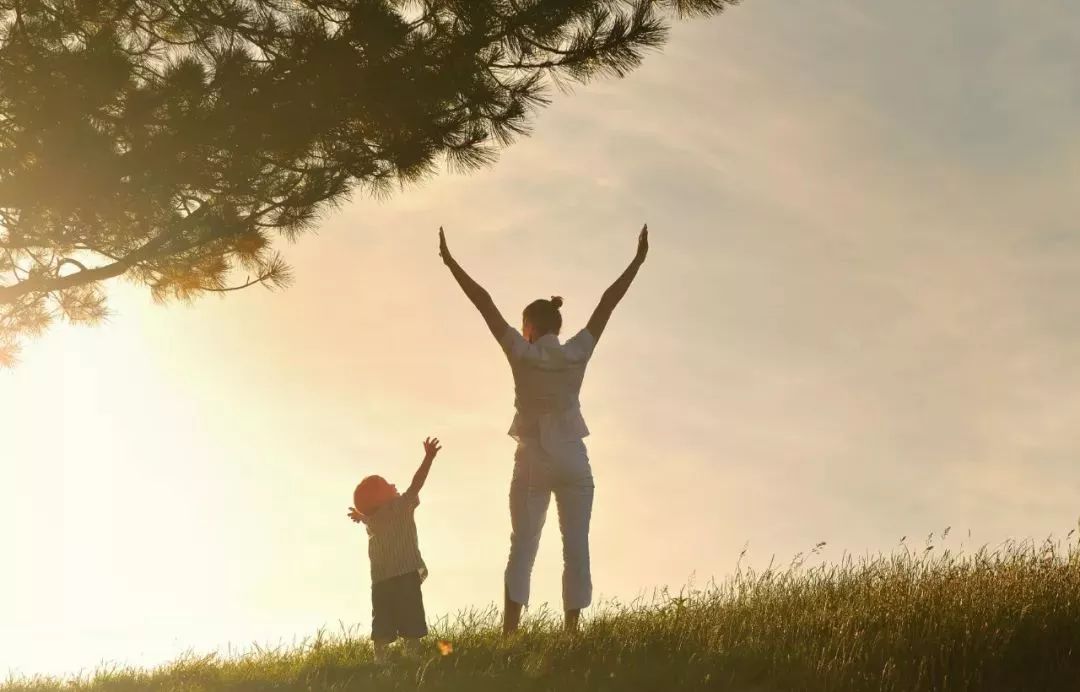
172,141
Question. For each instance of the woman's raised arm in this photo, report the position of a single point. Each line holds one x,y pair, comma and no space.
474,291
617,290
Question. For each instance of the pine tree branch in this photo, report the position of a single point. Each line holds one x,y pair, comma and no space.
68,260
9,294
246,284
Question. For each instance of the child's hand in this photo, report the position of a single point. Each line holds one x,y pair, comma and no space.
431,447
355,516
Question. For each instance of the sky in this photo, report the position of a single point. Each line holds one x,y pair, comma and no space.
859,320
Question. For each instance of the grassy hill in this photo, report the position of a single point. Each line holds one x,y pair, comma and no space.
919,619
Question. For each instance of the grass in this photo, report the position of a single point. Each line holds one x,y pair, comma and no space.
994,620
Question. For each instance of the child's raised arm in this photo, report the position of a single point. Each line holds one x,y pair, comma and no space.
431,448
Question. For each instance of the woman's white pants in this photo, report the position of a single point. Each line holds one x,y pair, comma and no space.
541,470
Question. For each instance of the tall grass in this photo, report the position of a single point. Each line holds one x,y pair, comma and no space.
997,619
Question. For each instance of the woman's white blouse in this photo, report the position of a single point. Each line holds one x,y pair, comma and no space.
547,383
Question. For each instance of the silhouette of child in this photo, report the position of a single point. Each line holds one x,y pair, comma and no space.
397,570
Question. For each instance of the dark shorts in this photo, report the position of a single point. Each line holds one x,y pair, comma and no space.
397,608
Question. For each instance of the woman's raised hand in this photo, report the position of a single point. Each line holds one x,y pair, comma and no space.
444,251
642,244
474,291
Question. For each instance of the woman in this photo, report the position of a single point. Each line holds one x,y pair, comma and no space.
549,429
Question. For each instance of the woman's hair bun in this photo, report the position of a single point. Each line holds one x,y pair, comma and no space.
556,302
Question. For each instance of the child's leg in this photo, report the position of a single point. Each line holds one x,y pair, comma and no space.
412,620
383,628
411,646
381,648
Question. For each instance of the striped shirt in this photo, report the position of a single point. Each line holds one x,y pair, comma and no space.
392,544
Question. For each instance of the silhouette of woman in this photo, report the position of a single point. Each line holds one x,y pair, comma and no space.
551,457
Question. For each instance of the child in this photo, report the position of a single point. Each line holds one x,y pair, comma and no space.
397,569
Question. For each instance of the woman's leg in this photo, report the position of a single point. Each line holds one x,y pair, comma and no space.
574,505
574,501
511,612
530,495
